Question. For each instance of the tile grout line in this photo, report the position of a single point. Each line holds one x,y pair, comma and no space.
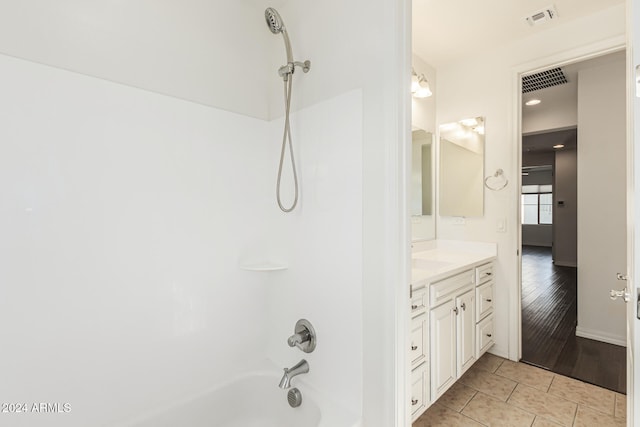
575,415
528,385
578,401
511,394
553,377
467,404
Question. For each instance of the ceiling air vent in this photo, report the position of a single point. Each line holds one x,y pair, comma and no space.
548,78
547,14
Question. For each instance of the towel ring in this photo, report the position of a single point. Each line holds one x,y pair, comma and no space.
497,174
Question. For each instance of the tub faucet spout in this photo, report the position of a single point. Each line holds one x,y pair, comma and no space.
302,367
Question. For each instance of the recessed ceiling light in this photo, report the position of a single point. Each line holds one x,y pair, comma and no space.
532,102
558,146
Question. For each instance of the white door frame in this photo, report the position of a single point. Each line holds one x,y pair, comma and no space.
575,55
633,214
571,56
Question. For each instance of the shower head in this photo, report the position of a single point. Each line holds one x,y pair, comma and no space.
276,25
274,21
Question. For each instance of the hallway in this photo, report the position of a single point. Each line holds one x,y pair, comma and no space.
549,317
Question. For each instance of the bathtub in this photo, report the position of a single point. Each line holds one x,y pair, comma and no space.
251,400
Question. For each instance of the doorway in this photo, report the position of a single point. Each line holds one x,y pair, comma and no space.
573,224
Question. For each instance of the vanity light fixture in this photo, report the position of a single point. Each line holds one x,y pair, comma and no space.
419,85
558,146
472,122
532,102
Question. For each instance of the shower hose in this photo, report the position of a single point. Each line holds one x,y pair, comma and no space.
286,137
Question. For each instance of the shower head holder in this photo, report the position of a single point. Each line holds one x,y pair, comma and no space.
290,68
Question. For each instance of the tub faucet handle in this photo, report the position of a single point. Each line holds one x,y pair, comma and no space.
298,339
304,336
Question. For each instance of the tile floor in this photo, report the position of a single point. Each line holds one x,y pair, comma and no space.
499,392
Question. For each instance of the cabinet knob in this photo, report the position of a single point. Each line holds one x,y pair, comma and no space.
414,347
489,335
488,273
414,306
414,402
488,300
464,306
455,310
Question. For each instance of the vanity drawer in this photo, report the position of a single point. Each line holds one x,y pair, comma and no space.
484,300
419,301
446,289
484,273
419,397
419,339
484,336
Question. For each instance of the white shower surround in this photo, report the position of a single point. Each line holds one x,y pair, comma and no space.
126,215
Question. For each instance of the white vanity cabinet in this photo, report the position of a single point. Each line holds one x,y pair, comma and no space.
452,306
484,308
453,329
419,350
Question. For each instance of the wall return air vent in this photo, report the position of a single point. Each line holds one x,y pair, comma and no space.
548,78
541,16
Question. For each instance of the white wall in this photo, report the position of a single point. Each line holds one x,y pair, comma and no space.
490,93
320,242
601,201
124,217
210,52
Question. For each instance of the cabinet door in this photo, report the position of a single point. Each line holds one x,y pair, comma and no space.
442,322
466,330
419,394
419,347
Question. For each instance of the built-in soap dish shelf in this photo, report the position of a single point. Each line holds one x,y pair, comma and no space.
264,266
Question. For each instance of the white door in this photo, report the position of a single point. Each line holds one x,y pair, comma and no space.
466,330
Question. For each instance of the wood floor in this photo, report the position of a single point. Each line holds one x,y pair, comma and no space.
549,316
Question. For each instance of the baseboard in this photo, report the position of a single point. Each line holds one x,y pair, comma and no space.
498,351
601,336
565,263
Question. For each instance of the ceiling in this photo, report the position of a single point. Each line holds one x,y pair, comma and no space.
544,142
552,99
446,30
551,95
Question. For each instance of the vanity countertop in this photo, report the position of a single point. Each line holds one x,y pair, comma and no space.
447,258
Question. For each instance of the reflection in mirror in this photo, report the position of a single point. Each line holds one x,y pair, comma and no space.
421,173
461,185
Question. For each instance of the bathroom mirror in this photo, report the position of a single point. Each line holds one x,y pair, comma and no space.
461,184
423,224
421,173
